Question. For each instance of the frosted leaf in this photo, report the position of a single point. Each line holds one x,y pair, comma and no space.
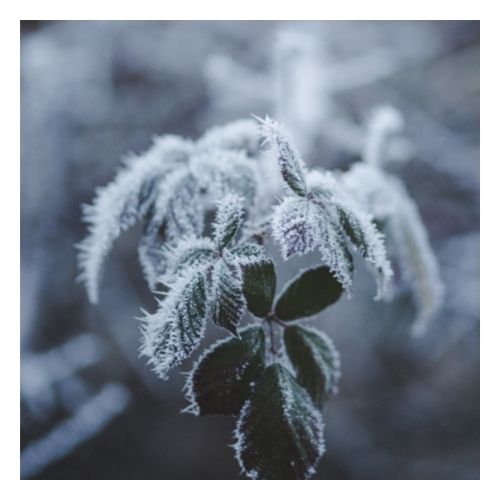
293,226
279,433
369,242
375,190
237,135
186,254
227,293
315,360
152,255
169,148
179,206
117,206
386,197
221,379
246,253
334,252
288,158
347,221
259,287
418,263
383,124
177,212
221,172
307,294
174,331
228,219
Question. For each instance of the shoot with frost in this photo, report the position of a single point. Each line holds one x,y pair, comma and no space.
207,208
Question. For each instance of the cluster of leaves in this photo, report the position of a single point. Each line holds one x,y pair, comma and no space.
318,212
202,246
275,377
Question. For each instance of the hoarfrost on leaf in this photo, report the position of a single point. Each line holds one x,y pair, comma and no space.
293,226
174,331
228,300
385,196
223,377
124,200
236,135
208,208
228,220
288,158
279,433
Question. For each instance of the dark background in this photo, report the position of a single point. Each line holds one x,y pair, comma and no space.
93,91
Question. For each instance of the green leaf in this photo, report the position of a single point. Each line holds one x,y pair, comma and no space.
308,294
222,378
246,253
189,253
315,359
229,303
353,230
279,434
259,286
334,251
175,330
228,220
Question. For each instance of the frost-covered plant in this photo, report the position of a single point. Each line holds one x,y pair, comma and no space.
207,208
386,197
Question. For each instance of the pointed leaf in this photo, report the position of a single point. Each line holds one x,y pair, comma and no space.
334,251
189,253
228,220
308,294
290,163
293,226
229,303
279,431
222,379
246,253
174,331
259,286
315,359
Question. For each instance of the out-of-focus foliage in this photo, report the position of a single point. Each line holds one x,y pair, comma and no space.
93,91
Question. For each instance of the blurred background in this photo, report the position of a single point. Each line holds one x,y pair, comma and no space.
93,91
